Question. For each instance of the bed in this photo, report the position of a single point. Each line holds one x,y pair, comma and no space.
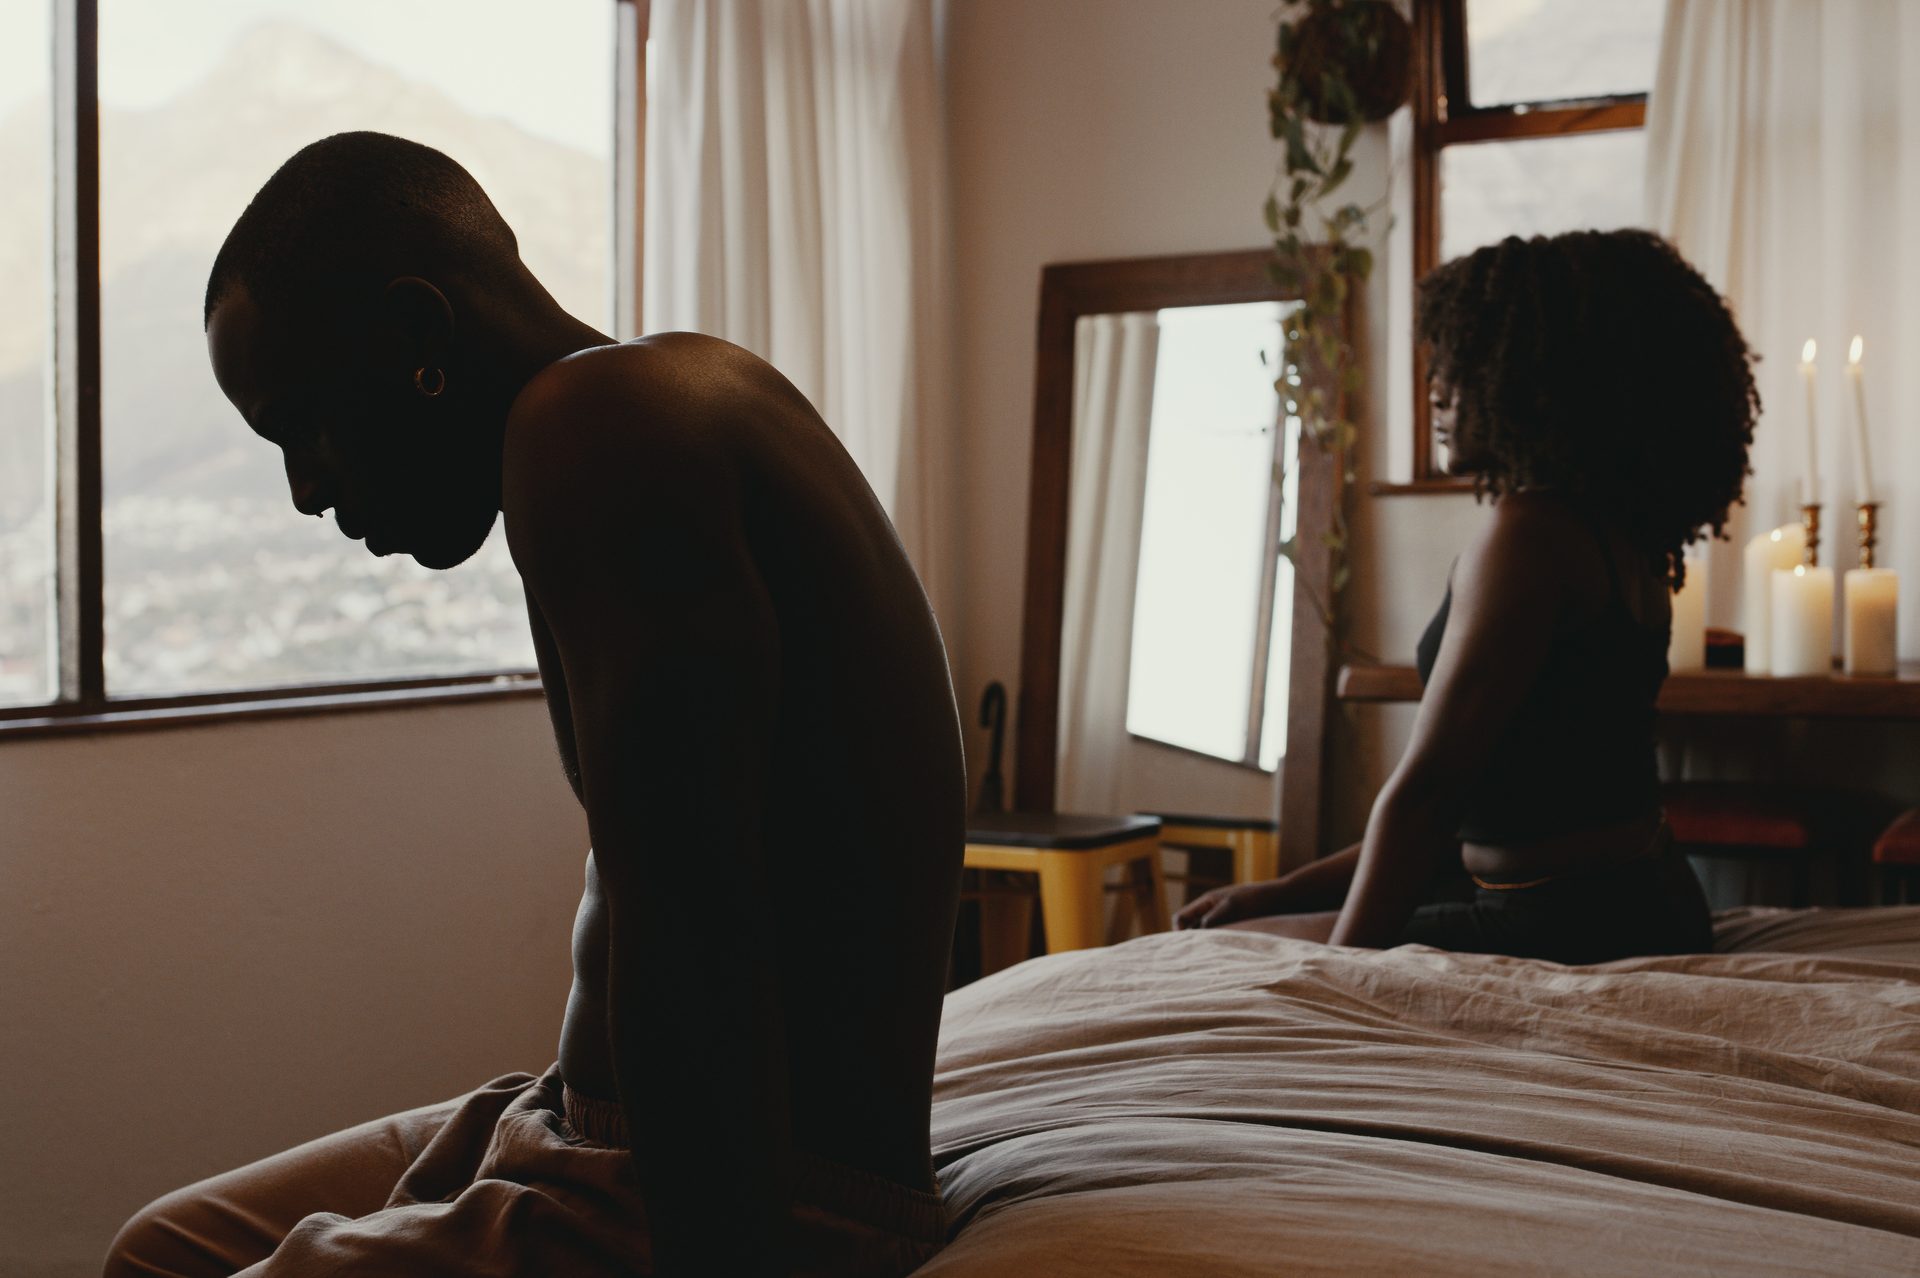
1227,1103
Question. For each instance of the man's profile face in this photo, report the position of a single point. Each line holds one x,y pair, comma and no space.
356,438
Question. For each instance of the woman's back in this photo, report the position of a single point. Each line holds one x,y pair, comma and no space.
1578,751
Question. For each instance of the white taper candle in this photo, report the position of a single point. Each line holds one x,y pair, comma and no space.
1809,373
1862,450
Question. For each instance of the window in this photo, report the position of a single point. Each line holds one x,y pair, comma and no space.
1527,121
26,497
1212,619
189,575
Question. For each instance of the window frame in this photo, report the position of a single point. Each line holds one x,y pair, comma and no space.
1444,115
81,701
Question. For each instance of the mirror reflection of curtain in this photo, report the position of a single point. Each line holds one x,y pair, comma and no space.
795,204
1783,160
1112,409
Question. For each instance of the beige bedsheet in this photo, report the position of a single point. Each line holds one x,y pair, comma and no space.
1222,1103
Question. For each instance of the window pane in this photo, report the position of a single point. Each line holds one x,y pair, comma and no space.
26,506
1490,190
1555,50
212,579
1202,542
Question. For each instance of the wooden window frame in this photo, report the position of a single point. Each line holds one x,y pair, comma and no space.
81,701
1444,115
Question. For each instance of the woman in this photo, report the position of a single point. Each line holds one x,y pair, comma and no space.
1597,388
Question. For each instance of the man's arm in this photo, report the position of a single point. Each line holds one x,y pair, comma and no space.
1508,591
631,542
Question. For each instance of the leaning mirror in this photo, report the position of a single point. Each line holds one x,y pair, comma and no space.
1173,546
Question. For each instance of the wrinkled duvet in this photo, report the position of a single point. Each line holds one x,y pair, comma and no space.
1225,1103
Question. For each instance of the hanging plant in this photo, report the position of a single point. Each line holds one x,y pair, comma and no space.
1342,64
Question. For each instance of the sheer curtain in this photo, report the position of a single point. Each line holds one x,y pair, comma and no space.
795,204
1783,144
1113,358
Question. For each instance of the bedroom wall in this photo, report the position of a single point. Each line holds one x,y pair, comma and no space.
217,942
1118,128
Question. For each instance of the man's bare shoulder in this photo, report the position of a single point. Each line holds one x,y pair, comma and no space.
649,386
624,432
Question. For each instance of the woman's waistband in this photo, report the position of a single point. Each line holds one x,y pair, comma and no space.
1658,849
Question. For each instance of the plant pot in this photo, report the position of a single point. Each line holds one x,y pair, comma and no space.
1367,44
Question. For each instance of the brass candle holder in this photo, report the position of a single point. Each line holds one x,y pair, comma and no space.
1810,517
1868,513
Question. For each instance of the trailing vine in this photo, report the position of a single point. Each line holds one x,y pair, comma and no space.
1340,64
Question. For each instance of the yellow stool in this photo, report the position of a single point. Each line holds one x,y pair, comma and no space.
1252,842
1071,855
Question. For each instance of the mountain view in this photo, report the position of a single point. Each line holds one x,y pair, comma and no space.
213,580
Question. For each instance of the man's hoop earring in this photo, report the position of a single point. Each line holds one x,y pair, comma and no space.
429,381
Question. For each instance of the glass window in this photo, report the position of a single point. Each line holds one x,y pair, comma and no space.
212,580
1558,50
26,506
1204,548
1490,190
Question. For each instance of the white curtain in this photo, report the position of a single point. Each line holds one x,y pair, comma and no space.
1783,144
1113,364
795,204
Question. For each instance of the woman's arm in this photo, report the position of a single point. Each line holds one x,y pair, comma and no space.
1318,885
1509,590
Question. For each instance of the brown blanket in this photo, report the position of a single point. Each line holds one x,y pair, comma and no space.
1226,1103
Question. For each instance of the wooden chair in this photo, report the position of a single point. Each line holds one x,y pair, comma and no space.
1071,854
1896,854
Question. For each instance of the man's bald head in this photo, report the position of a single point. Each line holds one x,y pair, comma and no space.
349,213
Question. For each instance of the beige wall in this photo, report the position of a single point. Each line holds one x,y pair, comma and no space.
217,942
1120,128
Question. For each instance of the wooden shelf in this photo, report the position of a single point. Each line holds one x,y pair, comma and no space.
1713,693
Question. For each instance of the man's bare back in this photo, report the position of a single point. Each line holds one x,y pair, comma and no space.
752,704
861,813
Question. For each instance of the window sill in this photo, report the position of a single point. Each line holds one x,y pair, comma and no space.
1189,751
176,712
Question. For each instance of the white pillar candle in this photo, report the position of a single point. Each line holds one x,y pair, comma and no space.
1687,642
1782,548
1872,608
1810,482
1862,451
1801,639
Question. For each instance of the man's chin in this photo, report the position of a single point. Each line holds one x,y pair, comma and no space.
442,558
450,548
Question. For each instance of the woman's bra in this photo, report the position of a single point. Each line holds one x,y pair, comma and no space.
1579,750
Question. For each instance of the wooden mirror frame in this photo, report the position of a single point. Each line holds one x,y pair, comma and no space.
1068,291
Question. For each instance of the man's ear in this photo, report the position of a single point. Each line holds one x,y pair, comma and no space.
415,328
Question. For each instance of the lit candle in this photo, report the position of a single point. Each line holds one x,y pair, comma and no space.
1862,453
1872,606
1810,482
1801,640
1781,548
1687,641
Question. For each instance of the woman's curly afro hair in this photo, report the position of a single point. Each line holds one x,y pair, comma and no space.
1600,364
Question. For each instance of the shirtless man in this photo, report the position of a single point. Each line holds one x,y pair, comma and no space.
751,702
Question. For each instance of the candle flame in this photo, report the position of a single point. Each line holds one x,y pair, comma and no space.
1806,352
1799,570
1853,351
1775,534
